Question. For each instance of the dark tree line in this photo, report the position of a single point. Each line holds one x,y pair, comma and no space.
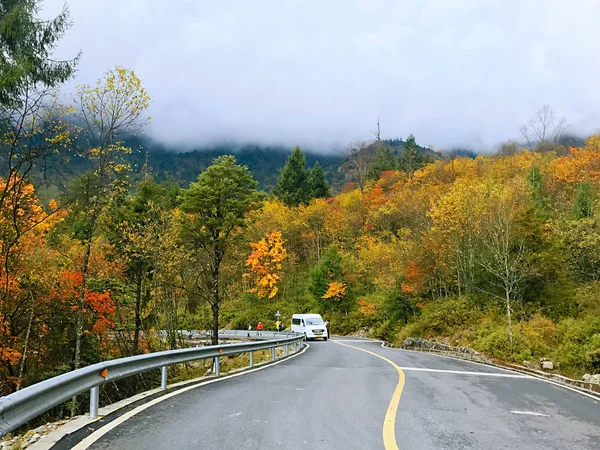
298,185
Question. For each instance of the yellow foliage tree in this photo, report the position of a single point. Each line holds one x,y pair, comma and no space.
336,291
265,264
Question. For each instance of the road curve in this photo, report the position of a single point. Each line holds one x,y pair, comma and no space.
336,397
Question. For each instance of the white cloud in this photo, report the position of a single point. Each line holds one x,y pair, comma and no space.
320,73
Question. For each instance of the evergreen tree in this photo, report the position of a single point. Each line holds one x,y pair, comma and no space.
401,306
129,220
217,208
410,161
26,43
292,187
541,202
327,270
384,160
585,197
317,184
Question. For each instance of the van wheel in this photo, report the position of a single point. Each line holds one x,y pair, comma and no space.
324,338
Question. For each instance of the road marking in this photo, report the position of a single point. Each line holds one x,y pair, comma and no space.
463,372
532,376
453,358
530,413
389,423
89,440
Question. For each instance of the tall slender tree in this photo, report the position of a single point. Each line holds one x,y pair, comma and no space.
292,187
410,160
217,208
317,183
360,156
130,223
585,197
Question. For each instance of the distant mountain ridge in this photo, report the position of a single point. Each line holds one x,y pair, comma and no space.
264,162
175,164
172,163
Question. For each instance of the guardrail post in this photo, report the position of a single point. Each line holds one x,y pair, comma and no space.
163,377
217,365
287,349
251,359
94,400
272,353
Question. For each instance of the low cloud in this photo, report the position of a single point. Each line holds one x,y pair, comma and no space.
319,74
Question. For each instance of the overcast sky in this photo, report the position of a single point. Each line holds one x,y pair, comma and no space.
320,72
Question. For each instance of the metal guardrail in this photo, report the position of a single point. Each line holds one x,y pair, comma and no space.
20,407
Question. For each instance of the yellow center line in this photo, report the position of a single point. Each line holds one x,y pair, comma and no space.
389,434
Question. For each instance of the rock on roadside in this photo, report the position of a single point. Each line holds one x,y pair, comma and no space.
419,343
531,365
20,442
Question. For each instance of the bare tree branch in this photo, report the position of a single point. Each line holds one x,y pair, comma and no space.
361,155
543,130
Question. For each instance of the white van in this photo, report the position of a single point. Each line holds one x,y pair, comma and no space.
312,325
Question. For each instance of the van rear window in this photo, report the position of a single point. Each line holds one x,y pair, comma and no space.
295,321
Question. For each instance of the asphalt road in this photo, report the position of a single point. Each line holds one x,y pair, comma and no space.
336,397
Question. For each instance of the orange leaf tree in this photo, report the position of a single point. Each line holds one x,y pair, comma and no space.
98,308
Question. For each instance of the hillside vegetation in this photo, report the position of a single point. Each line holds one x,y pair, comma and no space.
101,247
499,253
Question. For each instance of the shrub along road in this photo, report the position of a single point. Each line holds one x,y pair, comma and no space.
340,394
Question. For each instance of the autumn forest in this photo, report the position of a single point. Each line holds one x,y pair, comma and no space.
499,252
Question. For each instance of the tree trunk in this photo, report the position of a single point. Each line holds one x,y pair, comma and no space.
215,306
79,325
173,323
22,368
138,320
215,330
458,278
81,304
508,314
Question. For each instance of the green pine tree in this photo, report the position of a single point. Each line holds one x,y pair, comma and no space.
541,202
410,161
26,43
384,160
317,184
585,197
292,187
327,270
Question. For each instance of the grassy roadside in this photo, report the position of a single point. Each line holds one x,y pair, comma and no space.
573,344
